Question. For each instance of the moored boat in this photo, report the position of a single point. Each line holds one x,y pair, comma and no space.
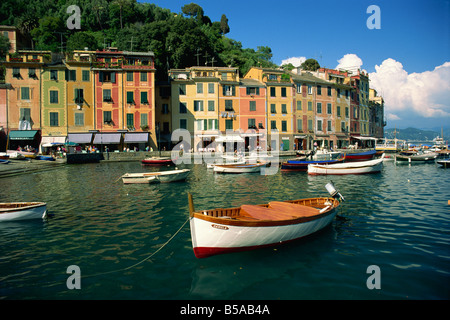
153,177
2,161
302,165
15,211
358,167
417,157
157,161
444,162
360,156
239,168
249,227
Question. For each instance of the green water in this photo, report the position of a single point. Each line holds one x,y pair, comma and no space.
397,220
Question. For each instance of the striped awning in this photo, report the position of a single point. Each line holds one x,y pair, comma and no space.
85,137
22,134
107,138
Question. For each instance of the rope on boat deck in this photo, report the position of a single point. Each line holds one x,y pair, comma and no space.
143,260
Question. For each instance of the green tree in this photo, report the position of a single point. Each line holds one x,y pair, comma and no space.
192,10
310,65
5,46
224,28
49,34
80,40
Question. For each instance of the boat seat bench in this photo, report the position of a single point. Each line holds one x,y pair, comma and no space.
276,211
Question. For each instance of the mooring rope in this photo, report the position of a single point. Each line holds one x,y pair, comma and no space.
143,260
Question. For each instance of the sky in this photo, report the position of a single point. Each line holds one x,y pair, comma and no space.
407,56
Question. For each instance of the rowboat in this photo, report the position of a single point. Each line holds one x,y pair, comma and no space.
298,165
239,168
14,211
360,156
417,157
157,161
249,227
154,177
359,167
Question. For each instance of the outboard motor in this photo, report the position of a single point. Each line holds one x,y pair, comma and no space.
333,192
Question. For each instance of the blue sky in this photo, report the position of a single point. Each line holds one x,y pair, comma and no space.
414,35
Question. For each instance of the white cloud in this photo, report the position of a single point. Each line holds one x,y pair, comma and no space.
426,94
350,61
296,61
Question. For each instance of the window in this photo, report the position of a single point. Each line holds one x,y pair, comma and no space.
107,95
273,108
252,91
284,126
338,111
107,117
343,128
165,108
229,105
130,120
229,124
130,97
310,124
213,124
183,108
299,105
338,92
144,119
85,75
53,74
144,76
252,106
54,119
273,92
79,96
329,109
53,96
310,91
144,98
273,77
130,76
32,73
346,112
283,92
273,125
229,90
199,87
329,91
319,125
25,114
309,105
299,88
211,105
198,105
283,108
201,124
319,107
16,73
210,87
25,93
107,76
299,124
251,124
79,119
319,90
329,126
71,75
182,89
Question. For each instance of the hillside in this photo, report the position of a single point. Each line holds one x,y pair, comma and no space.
413,134
178,40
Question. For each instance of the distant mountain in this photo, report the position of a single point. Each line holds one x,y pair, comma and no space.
413,134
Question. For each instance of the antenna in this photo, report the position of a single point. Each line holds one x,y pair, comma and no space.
206,58
198,56
131,43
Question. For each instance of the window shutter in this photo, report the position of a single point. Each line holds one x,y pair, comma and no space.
113,77
100,76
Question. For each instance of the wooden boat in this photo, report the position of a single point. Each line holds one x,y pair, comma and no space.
157,161
417,157
45,158
153,177
359,167
298,165
249,227
239,168
360,156
2,161
14,211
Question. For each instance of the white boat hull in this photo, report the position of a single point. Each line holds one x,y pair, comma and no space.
360,167
36,211
154,177
214,238
239,168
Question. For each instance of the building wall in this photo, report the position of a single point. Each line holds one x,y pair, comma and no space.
54,99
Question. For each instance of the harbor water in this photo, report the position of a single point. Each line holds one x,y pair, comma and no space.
133,242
